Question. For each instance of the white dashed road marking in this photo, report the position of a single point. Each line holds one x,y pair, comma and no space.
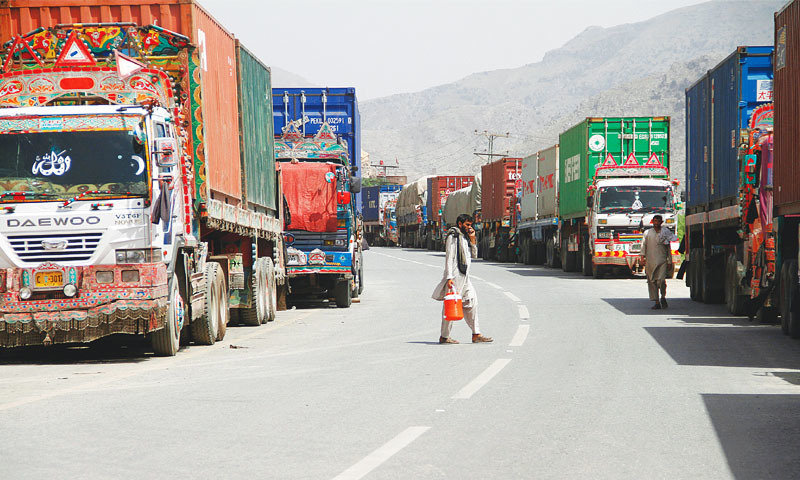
376,458
512,296
520,336
523,312
494,285
482,379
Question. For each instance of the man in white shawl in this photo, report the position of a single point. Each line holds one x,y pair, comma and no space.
460,249
656,255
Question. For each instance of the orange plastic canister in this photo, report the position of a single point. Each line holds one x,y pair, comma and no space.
453,306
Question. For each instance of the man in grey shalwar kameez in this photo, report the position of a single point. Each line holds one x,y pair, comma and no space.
460,248
657,256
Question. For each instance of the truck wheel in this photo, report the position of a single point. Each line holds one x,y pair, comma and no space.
272,291
693,275
166,342
712,285
206,328
598,271
550,254
256,314
733,300
343,293
586,257
564,257
361,277
786,289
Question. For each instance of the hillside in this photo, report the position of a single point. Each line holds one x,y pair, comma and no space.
633,69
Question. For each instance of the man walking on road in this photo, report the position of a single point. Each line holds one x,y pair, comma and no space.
657,257
459,251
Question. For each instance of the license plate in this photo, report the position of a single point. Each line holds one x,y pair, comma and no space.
49,279
636,247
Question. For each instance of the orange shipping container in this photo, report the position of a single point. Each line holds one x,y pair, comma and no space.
216,47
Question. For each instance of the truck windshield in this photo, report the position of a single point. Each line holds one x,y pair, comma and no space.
635,199
61,165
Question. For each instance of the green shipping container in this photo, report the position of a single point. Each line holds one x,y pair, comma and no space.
256,131
595,141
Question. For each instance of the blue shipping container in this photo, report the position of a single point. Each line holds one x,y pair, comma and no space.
338,106
371,197
720,104
698,129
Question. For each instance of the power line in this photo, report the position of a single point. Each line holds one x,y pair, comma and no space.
491,136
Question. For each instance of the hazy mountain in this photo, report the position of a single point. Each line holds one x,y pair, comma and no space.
282,78
634,69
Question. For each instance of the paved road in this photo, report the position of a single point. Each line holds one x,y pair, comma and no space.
583,381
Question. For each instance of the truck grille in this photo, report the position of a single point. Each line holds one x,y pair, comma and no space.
31,248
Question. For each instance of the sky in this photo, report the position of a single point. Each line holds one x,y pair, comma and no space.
384,47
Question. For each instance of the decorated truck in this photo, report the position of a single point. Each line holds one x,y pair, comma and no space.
377,199
439,188
500,182
322,231
729,226
412,216
538,226
613,177
133,200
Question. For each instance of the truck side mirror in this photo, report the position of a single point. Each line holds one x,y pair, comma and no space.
355,184
590,201
167,152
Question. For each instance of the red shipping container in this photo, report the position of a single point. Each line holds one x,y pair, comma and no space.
438,190
216,47
310,191
787,110
498,187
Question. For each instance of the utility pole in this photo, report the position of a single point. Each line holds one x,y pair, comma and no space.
491,136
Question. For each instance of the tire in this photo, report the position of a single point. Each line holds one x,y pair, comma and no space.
256,314
793,322
550,254
343,293
598,271
733,300
361,277
206,328
272,291
694,275
709,284
586,258
568,259
788,285
166,342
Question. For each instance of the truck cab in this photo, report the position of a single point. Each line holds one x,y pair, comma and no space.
621,210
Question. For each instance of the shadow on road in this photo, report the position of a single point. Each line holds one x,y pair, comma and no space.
755,347
104,351
758,433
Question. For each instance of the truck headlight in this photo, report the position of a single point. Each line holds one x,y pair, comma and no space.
669,220
25,293
339,242
134,256
70,290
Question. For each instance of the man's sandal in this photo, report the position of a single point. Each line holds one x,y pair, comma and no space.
444,341
481,339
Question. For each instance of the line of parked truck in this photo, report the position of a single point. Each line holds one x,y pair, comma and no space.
581,205
584,203
153,183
